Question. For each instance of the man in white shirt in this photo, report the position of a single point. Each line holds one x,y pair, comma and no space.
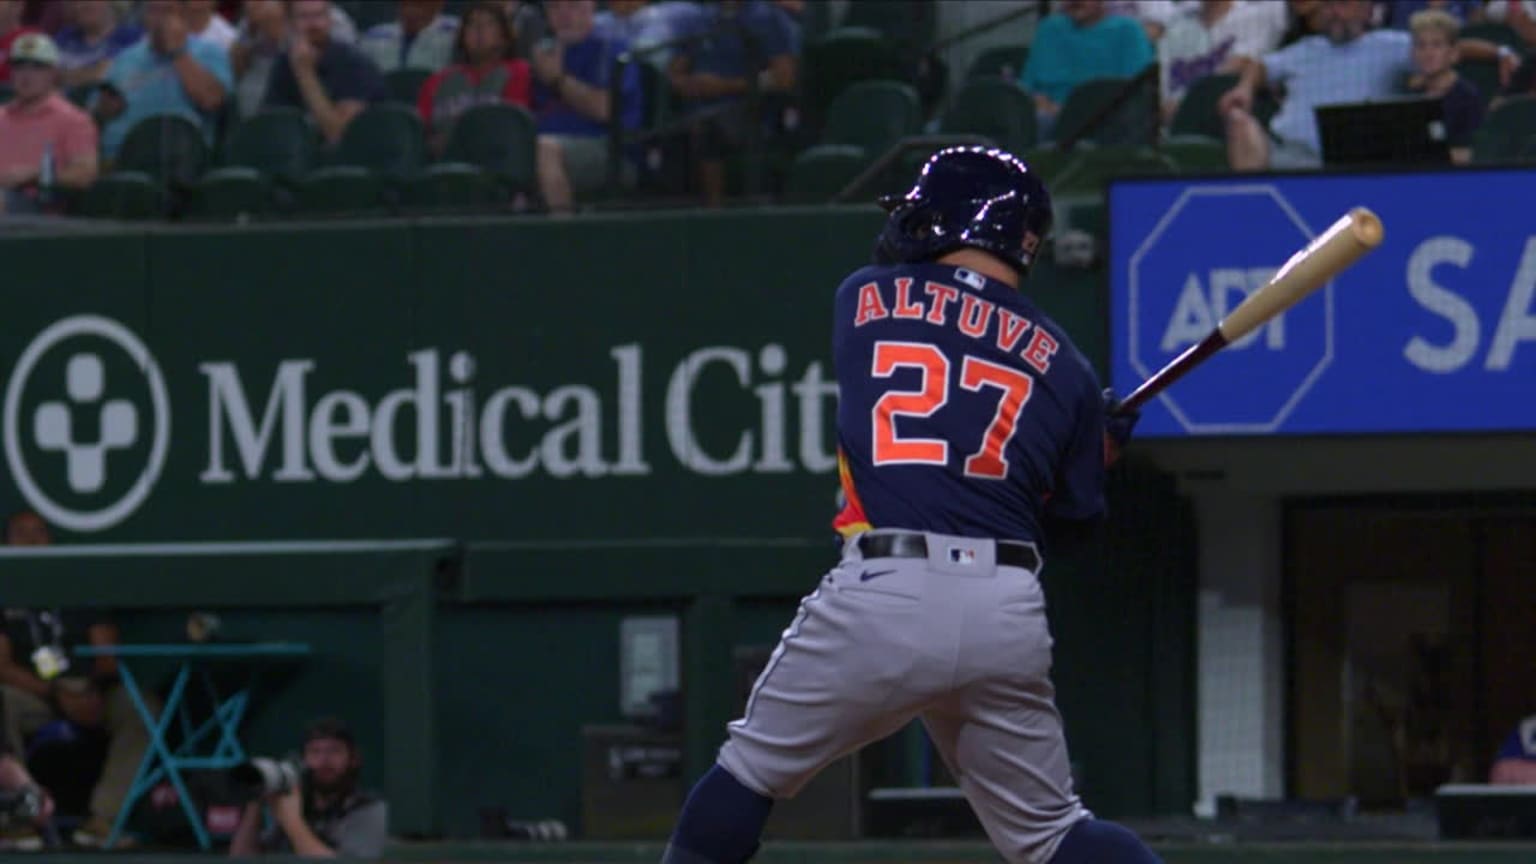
204,22
420,38
1213,38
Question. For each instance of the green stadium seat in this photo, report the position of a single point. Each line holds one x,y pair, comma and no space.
1505,131
168,148
499,139
278,142
131,195
1193,154
231,193
1482,74
1132,124
906,24
1196,114
388,140
1003,61
339,189
452,186
1495,32
366,13
1049,162
1000,110
1092,168
837,59
820,172
873,115
404,84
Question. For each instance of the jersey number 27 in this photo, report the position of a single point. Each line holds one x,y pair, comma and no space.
931,396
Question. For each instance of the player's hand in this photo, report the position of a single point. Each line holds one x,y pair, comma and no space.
1118,426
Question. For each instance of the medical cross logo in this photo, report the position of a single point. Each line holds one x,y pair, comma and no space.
86,423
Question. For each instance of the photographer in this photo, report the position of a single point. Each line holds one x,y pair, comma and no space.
25,807
321,813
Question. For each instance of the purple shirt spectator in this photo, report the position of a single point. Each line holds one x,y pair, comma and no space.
759,34
589,61
76,50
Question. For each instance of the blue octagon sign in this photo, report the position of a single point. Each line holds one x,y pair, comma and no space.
1214,247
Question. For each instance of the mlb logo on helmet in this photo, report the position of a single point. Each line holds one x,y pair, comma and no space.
961,555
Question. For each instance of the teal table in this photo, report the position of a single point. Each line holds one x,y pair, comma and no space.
212,744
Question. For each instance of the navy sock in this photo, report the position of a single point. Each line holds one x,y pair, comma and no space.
721,822
1095,841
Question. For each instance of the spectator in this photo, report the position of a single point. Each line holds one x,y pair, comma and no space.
1434,60
51,688
1079,44
1306,20
645,26
528,23
205,22
1215,37
16,783
1349,64
1399,12
1515,763
1153,15
169,71
331,81
1521,83
573,102
88,46
329,815
259,43
486,74
1520,17
10,30
40,126
422,38
736,46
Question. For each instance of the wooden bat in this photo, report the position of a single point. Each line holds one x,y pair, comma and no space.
1345,242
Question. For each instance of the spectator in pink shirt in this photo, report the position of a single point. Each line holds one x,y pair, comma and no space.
40,126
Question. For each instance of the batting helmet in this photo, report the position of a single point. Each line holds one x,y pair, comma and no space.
968,196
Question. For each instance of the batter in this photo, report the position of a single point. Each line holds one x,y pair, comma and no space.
965,416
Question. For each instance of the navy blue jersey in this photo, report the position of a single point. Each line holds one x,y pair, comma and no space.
962,409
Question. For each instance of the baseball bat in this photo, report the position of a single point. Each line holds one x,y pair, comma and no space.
1330,253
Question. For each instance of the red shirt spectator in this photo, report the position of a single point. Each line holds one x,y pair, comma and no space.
39,123
483,74
10,30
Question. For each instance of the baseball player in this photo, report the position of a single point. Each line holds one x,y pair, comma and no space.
965,416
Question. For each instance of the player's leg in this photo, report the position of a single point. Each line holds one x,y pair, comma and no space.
1001,736
845,673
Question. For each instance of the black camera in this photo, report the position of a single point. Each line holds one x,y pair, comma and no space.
20,806
263,776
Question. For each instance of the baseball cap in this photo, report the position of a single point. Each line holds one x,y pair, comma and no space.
330,728
35,48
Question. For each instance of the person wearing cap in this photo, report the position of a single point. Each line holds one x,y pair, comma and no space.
41,132
169,71
327,815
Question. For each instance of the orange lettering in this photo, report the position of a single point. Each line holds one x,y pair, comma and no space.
1040,350
942,295
905,308
975,315
871,307
1010,329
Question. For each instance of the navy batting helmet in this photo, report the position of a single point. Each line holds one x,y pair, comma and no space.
968,196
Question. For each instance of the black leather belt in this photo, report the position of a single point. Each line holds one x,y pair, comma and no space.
1009,553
